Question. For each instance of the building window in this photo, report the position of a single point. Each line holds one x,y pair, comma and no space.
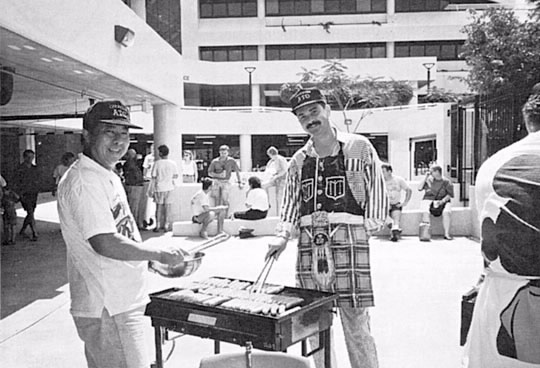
331,51
320,7
165,18
228,53
216,95
227,8
420,5
443,50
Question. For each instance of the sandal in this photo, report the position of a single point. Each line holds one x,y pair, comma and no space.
448,237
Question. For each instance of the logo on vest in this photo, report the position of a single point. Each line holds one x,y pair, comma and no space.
335,187
307,189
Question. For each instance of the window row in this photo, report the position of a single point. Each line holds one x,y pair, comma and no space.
164,17
314,7
227,8
443,50
321,51
420,5
228,53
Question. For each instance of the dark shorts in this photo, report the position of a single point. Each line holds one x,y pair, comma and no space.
395,207
29,201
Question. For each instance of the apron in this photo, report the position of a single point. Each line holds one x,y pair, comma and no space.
333,250
505,330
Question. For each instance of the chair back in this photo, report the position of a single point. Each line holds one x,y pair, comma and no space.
258,360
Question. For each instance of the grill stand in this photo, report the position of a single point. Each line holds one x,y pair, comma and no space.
160,333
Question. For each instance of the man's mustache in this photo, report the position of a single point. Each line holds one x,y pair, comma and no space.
313,123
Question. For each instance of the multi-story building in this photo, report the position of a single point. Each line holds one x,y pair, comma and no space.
192,62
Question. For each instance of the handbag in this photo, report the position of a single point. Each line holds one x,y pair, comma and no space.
467,306
436,211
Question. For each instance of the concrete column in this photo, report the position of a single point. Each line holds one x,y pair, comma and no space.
167,131
390,7
27,141
245,152
390,45
261,9
255,95
139,7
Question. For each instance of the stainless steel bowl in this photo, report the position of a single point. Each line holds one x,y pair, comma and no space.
189,265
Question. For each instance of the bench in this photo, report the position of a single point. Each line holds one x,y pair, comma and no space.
266,226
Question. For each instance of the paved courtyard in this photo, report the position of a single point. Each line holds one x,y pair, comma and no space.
418,289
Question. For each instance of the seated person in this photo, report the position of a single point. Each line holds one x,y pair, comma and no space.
256,202
440,191
202,212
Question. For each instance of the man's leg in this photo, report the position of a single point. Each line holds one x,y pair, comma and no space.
447,220
395,214
360,343
115,342
225,194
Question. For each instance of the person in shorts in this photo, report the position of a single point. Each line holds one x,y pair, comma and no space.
202,212
439,191
220,170
394,186
164,172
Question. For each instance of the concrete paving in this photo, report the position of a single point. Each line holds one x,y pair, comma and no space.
418,289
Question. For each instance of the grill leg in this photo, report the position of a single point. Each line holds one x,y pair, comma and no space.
325,335
216,347
158,336
303,345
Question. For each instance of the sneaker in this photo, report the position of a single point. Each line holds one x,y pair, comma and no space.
395,235
203,234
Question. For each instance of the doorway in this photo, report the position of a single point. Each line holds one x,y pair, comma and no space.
423,155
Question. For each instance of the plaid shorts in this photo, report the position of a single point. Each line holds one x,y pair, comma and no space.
350,252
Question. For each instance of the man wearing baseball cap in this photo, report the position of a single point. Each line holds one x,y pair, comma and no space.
106,259
335,195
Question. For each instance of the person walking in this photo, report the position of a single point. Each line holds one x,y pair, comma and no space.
134,184
164,172
394,186
277,168
335,194
505,327
106,259
27,187
220,171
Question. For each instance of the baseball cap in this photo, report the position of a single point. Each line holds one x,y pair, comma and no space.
304,97
111,112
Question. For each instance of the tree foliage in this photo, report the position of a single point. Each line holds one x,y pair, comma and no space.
503,52
347,92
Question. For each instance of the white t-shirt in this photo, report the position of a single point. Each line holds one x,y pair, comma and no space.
394,186
148,163
189,168
92,201
199,200
258,199
164,171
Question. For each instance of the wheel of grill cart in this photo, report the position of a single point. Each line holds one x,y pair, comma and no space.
258,359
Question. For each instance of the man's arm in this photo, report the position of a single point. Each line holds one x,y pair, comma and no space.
119,247
211,169
408,192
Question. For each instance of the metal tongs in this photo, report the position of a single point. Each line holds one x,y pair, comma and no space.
209,243
261,280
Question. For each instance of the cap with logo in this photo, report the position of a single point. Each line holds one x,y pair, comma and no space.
304,97
111,112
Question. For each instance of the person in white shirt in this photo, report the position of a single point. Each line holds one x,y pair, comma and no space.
164,173
202,212
67,159
189,168
256,202
394,186
147,205
277,168
106,259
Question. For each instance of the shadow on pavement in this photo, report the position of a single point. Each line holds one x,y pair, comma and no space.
32,270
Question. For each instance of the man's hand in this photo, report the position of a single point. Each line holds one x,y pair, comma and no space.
276,246
172,255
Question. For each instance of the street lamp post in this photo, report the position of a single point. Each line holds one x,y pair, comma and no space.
428,66
250,70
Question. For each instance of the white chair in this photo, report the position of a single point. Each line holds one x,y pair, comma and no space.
258,360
